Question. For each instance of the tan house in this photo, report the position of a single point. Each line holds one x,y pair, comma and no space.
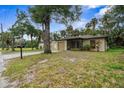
94,43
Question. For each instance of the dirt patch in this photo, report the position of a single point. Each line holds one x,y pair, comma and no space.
47,82
73,60
30,76
13,84
43,61
3,82
61,70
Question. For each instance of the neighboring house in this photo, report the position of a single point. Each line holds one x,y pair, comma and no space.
41,45
95,43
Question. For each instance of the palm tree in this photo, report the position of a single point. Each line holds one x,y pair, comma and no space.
88,30
93,23
88,25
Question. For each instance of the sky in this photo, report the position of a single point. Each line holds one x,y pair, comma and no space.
8,16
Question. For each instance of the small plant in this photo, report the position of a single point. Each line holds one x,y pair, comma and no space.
86,47
116,67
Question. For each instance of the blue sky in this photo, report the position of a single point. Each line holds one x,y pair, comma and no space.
8,16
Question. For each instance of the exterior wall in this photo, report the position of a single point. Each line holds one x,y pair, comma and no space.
102,44
65,44
106,45
57,46
54,46
61,45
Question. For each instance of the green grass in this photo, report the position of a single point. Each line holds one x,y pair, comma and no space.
17,50
116,50
116,66
69,69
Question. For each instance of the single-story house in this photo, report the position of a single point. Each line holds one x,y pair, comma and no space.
94,43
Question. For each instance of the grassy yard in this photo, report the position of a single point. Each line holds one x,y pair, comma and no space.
17,50
116,50
69,69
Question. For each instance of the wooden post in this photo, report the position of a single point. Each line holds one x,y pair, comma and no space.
21,52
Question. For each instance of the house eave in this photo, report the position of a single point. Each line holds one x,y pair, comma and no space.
84,37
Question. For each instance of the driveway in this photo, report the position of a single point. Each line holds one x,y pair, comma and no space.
17,54
3,61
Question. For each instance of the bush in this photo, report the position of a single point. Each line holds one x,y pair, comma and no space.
86,47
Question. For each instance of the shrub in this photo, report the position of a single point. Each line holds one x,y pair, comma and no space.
86,47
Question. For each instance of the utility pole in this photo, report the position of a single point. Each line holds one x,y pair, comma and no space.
2,37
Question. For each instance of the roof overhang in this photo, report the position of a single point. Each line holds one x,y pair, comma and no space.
84,37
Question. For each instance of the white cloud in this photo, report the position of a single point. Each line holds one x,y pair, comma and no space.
102,11
77,24
92,6
80,24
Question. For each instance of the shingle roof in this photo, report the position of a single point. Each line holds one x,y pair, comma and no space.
85,37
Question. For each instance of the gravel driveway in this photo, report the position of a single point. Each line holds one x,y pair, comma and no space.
4,57
14,55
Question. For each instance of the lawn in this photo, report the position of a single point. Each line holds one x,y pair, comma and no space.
68,69
116,50
17,50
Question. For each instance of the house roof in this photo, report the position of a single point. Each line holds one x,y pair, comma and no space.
84,37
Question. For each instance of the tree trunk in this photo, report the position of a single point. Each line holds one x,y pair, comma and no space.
7,45
31,42
94,28
47,36
38,40
13,42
